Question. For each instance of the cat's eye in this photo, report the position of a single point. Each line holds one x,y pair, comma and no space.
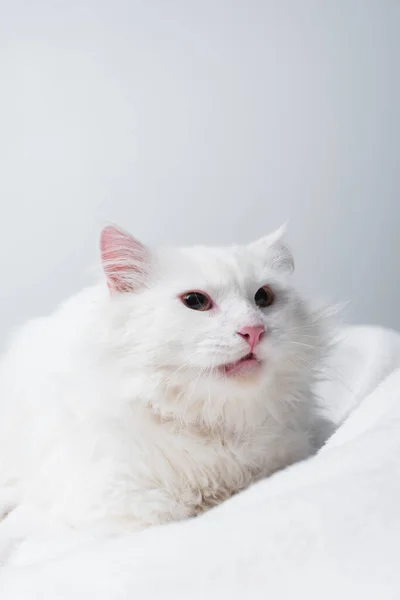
197,301
264,297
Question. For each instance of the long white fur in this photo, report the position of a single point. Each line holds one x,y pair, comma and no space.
112,411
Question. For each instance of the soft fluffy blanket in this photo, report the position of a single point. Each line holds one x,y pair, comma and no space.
325,528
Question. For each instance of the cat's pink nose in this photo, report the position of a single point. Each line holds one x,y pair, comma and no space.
252,335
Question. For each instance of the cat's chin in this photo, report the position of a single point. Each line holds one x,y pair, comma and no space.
247,366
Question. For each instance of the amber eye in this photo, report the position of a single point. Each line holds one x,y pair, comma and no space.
197,301
264,297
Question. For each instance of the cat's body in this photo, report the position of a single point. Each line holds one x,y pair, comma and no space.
126,407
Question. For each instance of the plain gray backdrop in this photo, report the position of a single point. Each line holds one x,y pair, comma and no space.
207,121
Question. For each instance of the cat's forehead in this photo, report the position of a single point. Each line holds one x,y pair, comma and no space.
220,266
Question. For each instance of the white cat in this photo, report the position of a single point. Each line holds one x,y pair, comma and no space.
183,380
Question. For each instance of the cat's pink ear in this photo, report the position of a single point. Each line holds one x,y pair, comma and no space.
125,261
275,251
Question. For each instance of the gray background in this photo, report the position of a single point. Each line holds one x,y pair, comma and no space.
200,121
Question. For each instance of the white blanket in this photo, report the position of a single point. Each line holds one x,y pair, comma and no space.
326,528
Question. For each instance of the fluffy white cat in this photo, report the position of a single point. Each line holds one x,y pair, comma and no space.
186,378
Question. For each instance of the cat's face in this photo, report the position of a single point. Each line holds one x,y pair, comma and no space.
229,315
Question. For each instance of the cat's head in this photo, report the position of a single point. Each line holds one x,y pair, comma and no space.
222,317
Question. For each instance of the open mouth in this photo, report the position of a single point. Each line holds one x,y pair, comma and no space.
246,364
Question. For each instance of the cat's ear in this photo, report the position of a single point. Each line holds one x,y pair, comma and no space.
125,261
276,253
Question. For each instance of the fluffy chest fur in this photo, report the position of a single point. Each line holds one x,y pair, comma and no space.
208,467
152,469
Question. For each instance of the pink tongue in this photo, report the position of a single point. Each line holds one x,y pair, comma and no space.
247,357
238,362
